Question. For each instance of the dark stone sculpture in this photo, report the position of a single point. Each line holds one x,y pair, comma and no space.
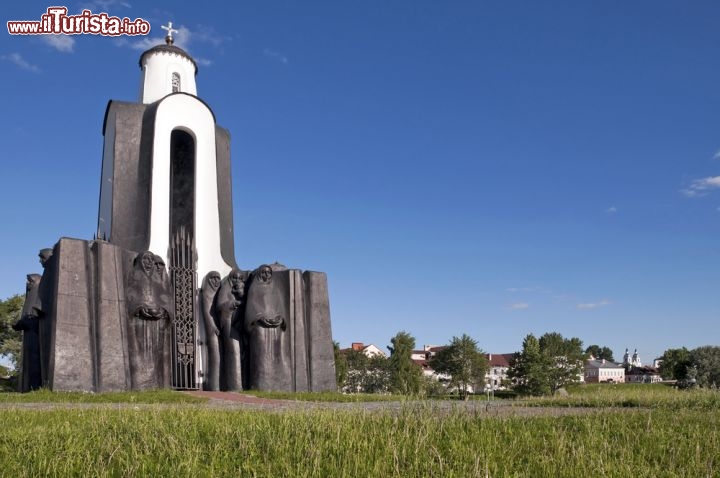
148,290
30,374
208,290
162,283
149,322
229,307
42,308
45,255
109,315
269,354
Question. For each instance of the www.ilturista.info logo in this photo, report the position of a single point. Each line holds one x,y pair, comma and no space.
57,21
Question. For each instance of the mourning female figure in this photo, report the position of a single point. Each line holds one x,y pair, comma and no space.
208,290
30,374
148,288
43,308
266,328
229,308
150,309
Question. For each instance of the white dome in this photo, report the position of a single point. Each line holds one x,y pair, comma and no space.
166,69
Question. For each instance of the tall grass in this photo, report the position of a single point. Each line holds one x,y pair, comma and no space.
150,396
632,395
665,432
417,441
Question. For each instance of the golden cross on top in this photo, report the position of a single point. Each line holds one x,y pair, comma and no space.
170,30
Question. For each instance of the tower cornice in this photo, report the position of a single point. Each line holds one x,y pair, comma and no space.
167,50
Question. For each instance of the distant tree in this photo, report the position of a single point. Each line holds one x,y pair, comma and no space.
405,376
432,387
706,362
600,353
378,376
11,340
366,374
566,357
530,369
341,366
464,362
675,364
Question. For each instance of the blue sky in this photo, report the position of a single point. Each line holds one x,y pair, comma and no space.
488,168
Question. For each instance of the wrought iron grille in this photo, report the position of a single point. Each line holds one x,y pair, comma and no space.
184,276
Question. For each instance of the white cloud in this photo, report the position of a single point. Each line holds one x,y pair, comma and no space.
522,289
20,62
717,155
63,43
594,305
145,43
183,38
519,306
207,34
275,55
611,210
699,187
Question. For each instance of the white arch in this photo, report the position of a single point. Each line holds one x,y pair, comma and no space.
187,113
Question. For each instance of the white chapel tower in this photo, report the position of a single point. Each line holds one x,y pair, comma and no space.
166,167
166,69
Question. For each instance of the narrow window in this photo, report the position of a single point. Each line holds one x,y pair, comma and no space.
182,174
175,82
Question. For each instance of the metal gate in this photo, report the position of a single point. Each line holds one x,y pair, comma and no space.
183,271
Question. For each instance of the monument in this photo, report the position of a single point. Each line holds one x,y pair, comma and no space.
157,299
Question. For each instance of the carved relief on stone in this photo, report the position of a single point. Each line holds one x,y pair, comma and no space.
208,291
269,360
149,292
150,298
269,319
30,374
229,309
43,307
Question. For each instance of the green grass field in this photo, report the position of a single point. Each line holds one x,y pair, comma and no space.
45,396
631,431
631,395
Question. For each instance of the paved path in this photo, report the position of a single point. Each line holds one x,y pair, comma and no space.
233,401
497,408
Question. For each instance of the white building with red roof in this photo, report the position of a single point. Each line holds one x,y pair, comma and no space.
496,376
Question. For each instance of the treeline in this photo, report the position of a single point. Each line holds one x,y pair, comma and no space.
461,364
543,366
698,367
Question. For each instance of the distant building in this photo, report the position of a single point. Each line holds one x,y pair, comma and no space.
499,364
422,359
633,361
603,371
643,375
496,374
369,350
